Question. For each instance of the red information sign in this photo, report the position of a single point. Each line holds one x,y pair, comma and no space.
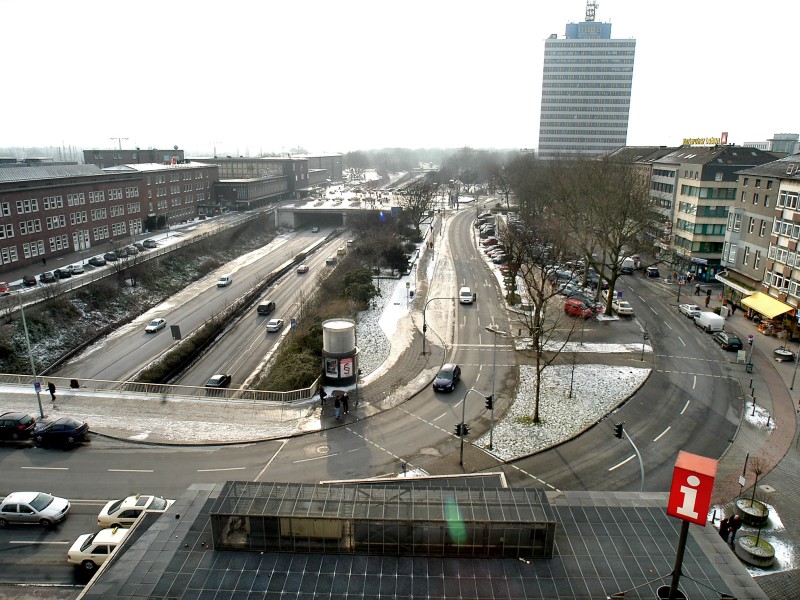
692,485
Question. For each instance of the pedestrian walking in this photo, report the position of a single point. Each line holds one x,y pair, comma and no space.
337,406
708,299
735,523
724,529
733,308
322,395
345,403
51,387
697,290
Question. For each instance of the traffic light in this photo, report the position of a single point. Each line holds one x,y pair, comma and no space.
465,428
489,403
618,430
458,429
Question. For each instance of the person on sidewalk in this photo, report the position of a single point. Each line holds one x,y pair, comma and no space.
322,395
708,299
345,403
337,407
697,290
735,523
724,529
51,387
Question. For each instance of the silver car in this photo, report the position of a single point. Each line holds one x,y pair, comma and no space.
33,507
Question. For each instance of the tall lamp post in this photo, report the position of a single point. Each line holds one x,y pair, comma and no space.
424,319
36,385
462,428
495,331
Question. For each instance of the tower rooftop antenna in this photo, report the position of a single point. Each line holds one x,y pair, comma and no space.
591,8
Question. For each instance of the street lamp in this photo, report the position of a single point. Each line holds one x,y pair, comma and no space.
494,378
36,385
424,320
462,428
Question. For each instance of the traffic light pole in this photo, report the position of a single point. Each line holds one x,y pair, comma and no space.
618,432
462,427
425,321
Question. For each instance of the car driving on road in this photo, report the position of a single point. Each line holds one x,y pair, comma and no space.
275,325
33,507
449,375
219,380
123,513
155,325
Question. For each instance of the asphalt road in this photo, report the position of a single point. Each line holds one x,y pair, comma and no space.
686,404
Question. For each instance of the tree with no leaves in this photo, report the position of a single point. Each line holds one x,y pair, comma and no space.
417,199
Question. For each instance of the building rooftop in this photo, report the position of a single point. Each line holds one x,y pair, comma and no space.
39,172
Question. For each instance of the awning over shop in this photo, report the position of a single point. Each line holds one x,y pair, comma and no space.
766,305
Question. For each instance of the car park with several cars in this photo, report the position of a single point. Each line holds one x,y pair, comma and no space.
37,508
155,325
124,512
727,341
447,378
63,430
16,425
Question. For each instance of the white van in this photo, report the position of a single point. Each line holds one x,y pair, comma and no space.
225,280
709,321
465,295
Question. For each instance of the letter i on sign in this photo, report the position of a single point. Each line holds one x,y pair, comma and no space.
689,497
692,485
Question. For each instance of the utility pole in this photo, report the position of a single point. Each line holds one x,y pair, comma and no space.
119,140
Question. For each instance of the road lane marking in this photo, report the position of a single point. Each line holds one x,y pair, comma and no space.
226,469
653,309
274,456
46,468
660,435
642,299
130,470
36,542
439,417
685,406
694,382
681,341
617,466
667,324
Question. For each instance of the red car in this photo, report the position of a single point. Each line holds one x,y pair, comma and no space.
576,308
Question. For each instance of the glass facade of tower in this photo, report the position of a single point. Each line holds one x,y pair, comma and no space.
586,91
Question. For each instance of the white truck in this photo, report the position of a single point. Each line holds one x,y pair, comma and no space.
627,265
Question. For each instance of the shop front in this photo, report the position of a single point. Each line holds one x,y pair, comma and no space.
773,317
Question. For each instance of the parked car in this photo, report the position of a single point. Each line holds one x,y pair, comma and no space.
97,261
149,243
28,280
302,268
111,256
490,241
274,324
33,507
727,340
155,325
576,308
690,310
219,380
65,429
16,425
64,273
447,378
124,512
622,307
4,289
140,246
499,259
132,250
122,252
47,277
91,550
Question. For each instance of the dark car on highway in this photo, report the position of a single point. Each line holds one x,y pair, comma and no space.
449,375
16,425
219,380
727,341
63,430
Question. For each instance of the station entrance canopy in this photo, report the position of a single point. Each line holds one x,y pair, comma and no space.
766,305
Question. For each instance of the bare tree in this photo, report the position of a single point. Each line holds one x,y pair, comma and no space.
501,181
417,200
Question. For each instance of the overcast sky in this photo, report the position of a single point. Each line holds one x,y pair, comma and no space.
331,76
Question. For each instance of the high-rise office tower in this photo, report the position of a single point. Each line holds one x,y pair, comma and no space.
586,90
